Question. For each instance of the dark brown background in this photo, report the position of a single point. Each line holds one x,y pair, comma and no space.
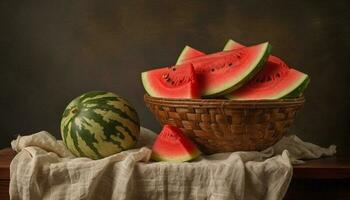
52,51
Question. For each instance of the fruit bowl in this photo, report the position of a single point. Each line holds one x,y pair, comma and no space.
219,125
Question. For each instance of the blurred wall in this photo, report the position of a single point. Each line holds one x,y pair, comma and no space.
53,51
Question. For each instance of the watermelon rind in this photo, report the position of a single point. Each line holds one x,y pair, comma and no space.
188,53
147,86
292,90
172,145
231,44
156,85
177,159
254,67
98,124
299,90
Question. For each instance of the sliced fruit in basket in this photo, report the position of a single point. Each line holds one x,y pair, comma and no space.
217,74
276,80
231,45
188,53
171,82
223,72
173,146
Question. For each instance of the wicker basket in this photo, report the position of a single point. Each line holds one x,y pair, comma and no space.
217,125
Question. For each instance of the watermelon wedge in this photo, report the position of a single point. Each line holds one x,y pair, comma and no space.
221,73
231,45
173,146
172,82
188,53
276,80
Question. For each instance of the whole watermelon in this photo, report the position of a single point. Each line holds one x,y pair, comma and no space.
98,124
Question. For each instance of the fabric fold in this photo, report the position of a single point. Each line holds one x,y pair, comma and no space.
45,169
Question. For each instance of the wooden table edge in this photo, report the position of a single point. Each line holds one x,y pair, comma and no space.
323,168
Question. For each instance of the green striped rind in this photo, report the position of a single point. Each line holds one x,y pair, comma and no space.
299,90
177,159
99,124
255,67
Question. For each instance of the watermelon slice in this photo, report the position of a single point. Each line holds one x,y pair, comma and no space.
171,82
231,44
276,80
223,72
188,53
173,146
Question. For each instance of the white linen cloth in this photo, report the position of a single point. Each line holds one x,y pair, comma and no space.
45,169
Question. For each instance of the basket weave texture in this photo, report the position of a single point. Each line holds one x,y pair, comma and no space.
217,125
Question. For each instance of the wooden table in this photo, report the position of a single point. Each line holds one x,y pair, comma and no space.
6,156
326,178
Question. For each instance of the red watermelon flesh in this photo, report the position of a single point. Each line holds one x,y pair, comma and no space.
173,146
223,72
171,82
188,53
276,80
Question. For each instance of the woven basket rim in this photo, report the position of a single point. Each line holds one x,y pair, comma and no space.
175,102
